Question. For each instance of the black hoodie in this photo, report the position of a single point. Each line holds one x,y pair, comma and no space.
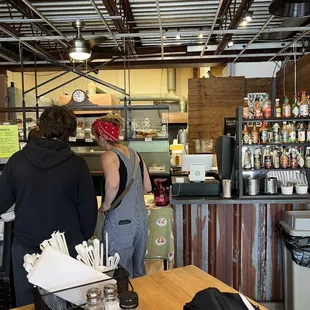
52,190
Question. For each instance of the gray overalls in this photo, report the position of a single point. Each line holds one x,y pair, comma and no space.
129,240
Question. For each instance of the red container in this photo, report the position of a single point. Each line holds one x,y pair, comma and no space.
161,193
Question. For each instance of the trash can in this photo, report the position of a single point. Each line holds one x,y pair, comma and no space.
294,231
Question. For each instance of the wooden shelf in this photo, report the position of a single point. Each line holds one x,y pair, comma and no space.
175,117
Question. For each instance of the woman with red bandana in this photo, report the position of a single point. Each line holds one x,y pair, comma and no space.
124,170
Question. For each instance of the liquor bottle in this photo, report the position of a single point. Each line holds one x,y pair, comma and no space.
263,132
246,109
301,133
308,101
292,133
307,158
276,133
276,158
257,159
308,132
293,159
247,162
257,109
246,135
300,157
285,134
277,109
298,99
303,109
286,109
284,159
254,135
270,133
295,107
267,159
266,107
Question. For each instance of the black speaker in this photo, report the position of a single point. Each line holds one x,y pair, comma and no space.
225,155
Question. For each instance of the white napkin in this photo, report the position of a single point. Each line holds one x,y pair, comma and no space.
56,271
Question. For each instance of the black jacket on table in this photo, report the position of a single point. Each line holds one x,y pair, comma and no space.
52,190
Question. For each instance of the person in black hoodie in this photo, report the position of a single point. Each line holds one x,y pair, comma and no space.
52,190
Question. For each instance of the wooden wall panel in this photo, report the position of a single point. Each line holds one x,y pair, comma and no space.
209,101
258,85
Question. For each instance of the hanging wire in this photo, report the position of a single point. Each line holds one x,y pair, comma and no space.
295,70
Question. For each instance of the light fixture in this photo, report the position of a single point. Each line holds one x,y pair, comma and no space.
248,16
79,49
164,37
178,36
289,8
230,43
200,36
243,23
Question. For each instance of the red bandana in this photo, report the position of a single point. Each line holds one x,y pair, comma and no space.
106,130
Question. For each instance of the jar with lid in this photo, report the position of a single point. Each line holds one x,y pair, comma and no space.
129,300
94,299
111,301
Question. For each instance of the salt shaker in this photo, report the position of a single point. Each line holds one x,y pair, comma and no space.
111,301
129,300
94,299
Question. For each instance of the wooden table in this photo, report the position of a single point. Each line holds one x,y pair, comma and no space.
172,289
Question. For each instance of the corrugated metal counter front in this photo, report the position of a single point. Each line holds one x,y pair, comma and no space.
234,240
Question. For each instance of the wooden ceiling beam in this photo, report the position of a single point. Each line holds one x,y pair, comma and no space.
112,10
234,24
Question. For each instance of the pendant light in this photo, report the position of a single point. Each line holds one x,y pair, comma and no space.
79,49
290,8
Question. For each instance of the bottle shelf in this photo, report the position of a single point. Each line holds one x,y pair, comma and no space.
276,196
276,119
273,169
278,144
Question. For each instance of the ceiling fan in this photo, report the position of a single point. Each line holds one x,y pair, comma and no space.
81,49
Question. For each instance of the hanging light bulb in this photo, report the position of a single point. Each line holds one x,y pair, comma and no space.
243,23
230,43
178,36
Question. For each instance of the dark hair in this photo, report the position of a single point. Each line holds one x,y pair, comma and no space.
58,122
34,133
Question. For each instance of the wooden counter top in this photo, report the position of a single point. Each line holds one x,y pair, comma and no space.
172,289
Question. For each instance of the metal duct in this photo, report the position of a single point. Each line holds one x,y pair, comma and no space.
171,80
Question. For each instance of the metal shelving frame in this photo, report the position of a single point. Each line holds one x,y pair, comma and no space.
126,107
239,128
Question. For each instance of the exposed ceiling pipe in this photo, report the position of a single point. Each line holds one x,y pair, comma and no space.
157,34
289,45
45,19
105,23
212,28
255,37
160,30
208,57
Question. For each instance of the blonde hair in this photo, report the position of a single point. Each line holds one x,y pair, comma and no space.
115,119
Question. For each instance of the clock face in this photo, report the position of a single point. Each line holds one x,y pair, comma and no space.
78,96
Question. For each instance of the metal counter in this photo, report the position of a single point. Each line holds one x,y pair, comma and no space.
234,240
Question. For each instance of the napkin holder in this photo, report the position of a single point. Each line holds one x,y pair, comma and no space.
44,300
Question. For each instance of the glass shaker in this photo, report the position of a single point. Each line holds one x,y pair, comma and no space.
111,301
129,300
94,299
